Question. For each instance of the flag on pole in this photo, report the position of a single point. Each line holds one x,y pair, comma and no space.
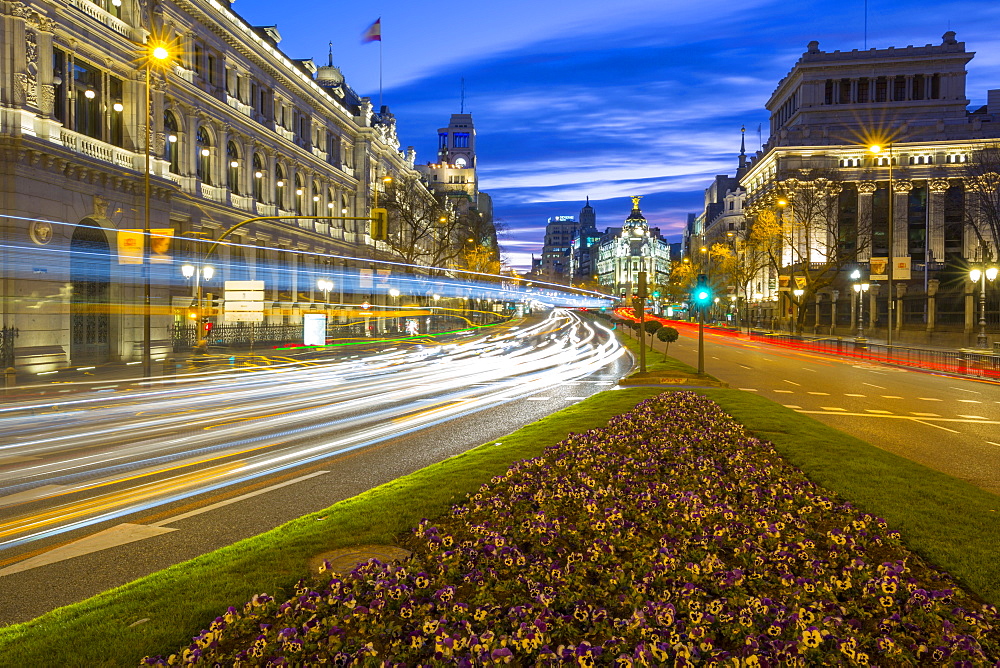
374,32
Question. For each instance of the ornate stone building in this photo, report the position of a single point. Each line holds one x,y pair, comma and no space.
829,195
630,249
238,130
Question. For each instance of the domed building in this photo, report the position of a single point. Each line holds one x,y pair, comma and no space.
626,251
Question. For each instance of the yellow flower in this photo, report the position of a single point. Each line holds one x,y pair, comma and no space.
811,637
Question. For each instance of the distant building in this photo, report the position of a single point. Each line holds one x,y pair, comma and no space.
635,247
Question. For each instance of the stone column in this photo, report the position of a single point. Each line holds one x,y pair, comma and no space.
970,305
935,213
932,288
865,191
900,209
900,293
834,296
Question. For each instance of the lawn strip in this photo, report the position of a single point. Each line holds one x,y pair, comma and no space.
183,599
949,522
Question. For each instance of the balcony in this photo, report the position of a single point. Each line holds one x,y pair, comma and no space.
319,154
287,134
213,193
102,16
238,106
266,209
99,150
241,202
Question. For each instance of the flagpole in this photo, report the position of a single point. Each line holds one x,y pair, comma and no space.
380,71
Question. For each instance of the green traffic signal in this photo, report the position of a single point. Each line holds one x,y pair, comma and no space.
702,292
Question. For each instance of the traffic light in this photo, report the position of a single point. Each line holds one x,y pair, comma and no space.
208,327
702,291
379,230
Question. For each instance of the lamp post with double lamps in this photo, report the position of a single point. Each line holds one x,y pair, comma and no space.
861,289
877,149
798,292
981,275
205,271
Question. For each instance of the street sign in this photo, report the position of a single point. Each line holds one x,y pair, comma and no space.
244,301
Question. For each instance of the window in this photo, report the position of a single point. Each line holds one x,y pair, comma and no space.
955,158
233,167
850,162
279,184
197,60
881,89
828,94
461,140
87,100
171,147
259,178
863,85
918,86
899,89
203,156
845,91
442,140
59,75
210,69
921,159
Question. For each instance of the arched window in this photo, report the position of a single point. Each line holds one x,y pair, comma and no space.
203,156
233,167
259,178
171,147
279,176
300,195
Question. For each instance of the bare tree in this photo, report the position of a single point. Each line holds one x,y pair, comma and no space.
423,229
982,210
805,231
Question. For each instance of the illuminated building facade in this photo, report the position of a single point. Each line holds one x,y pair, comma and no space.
239,130
630,249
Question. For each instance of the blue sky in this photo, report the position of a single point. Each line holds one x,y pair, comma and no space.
575,99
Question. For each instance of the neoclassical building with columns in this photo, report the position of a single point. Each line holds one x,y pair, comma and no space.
935,150
238,130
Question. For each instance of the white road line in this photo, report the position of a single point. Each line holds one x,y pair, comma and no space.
962,389
792,383
855,395
890,396
871,385
820,394
810,370
878,411
931,424
792,406
539,398
974,417
832,408
745,366
749,389
574,398
784,391
235,499
928,399
970,401
925,414
992,443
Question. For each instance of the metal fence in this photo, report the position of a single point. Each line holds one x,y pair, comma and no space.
985,364
7,336
245,335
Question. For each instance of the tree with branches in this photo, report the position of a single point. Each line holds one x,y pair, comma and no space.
982,209
811,229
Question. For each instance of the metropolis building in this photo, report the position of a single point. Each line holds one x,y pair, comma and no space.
931,189
238,130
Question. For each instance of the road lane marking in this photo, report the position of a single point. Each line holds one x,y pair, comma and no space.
925,414
970,401
820,394
809,370
539,398
929,399
878,411
962,389
872,385
856,395
832,408
748,389
121,534
784,392
574,398
974,417
890,396
992,443
745,366
792,406
792,383
930,424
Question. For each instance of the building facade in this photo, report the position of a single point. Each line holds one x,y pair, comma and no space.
237,130
626,251
835,205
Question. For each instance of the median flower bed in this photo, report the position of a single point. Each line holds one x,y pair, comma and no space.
669,537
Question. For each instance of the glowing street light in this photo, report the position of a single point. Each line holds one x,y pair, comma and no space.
980,276
877,149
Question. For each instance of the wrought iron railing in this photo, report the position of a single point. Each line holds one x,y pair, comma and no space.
7,336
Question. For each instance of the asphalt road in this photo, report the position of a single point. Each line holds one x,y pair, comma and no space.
102,487
947,423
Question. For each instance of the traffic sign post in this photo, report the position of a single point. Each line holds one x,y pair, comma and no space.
244,302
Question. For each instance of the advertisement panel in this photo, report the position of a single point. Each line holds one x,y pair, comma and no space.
314,329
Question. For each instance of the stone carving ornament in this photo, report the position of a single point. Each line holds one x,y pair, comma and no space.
939,185
867,187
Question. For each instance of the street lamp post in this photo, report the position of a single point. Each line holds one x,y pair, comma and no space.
190,271
877,149
980,276
860,288
156,54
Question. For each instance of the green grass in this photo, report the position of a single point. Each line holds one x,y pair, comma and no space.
655,364
182,600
